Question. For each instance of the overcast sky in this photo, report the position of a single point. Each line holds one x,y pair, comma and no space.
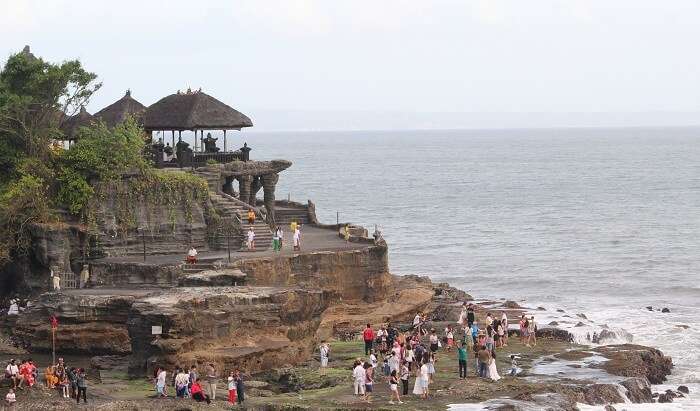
378,55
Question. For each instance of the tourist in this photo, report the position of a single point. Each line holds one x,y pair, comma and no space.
394,359
408,362
470,315
182,380
14,307
419,353
504,324
474,328
192,255
10,398
280,238
368,337
84,276
293,226
523,329
73,379
386,369
513,365
346,233
498,336
463,315
63,384
373,359
532,331
431,367
81,382
369,381
276,240
462,360
358,375
251,239
27,373
197,392
51,379
489,337
160,382
240,387
232,395
55,281
210,372
394,388
493,369
417,323
12,372
489,319
192,378
434,341
405,374
449,335
324,350
484,357
422,381
297,239
251,218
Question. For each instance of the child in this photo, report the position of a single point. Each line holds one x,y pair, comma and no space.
11,398
369,382
373,359
232,389
385,367
513,366
394,388
462,354
431,367
450,339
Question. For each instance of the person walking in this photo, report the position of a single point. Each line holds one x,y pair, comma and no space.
470,314
192,255
462,359
532,331
82,386
394,388
251,217
275,240
297,239
192,378
369,381
232,395
368,336
504,325
210,372
160,382
251,239
182,380
280,238
358,375
324,350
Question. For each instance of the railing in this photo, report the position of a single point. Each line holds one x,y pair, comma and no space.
192,159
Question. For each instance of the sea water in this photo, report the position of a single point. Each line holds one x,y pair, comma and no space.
603,222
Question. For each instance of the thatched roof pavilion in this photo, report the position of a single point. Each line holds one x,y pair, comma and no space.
118,111
193,111
71,124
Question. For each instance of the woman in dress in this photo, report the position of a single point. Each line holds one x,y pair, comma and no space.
431,367
504,324
493,370
422,382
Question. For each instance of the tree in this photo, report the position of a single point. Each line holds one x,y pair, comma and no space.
35,97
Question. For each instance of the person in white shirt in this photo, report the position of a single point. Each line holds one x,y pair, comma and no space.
11,398
373,360
325,349
12,371
251,239
160,382
14,307
182,379
192,255
358,375
297,239
55,281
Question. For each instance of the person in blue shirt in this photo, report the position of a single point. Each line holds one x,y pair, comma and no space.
475,334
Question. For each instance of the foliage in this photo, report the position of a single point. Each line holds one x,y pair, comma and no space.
74,190
104,154
34,94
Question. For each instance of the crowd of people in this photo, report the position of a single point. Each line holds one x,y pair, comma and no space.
70,382
398,356
188,383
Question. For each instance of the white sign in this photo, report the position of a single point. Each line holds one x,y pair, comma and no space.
156,329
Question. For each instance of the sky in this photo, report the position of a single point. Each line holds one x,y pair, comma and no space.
355,63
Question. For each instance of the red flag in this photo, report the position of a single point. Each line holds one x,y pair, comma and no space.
54,322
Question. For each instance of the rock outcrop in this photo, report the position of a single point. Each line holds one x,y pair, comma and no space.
629,360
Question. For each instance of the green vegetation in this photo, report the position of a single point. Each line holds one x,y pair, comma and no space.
38,176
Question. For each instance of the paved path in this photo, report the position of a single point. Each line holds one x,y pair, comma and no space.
313,239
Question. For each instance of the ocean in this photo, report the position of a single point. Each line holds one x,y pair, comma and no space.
603,222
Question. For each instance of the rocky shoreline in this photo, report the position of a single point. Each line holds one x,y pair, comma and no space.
556,374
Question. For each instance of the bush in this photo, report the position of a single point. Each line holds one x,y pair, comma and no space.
74,190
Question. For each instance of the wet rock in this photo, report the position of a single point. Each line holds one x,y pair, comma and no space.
606,336
553,323
600,394
579,315
650,308
683,326
555,334
638,390
609,408
559,310
683,389
580,324
630,360
664,398
541,309
665,310
511,304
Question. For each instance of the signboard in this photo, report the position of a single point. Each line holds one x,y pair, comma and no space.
156,329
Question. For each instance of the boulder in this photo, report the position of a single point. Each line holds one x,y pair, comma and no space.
609,408
579,315
580,324
511,304
664,398
214,278
630,360
665,310
541,309
601,394
638,390
553,323
683,389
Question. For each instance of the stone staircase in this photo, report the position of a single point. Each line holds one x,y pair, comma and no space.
285,215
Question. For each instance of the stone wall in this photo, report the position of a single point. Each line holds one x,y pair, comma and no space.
350,274
124,274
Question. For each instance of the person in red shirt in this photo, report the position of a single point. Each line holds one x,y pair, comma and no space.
197,392
368,336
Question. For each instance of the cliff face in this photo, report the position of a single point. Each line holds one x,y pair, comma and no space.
351,275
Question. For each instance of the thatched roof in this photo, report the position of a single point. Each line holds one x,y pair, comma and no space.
193,110
71,124
118,112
